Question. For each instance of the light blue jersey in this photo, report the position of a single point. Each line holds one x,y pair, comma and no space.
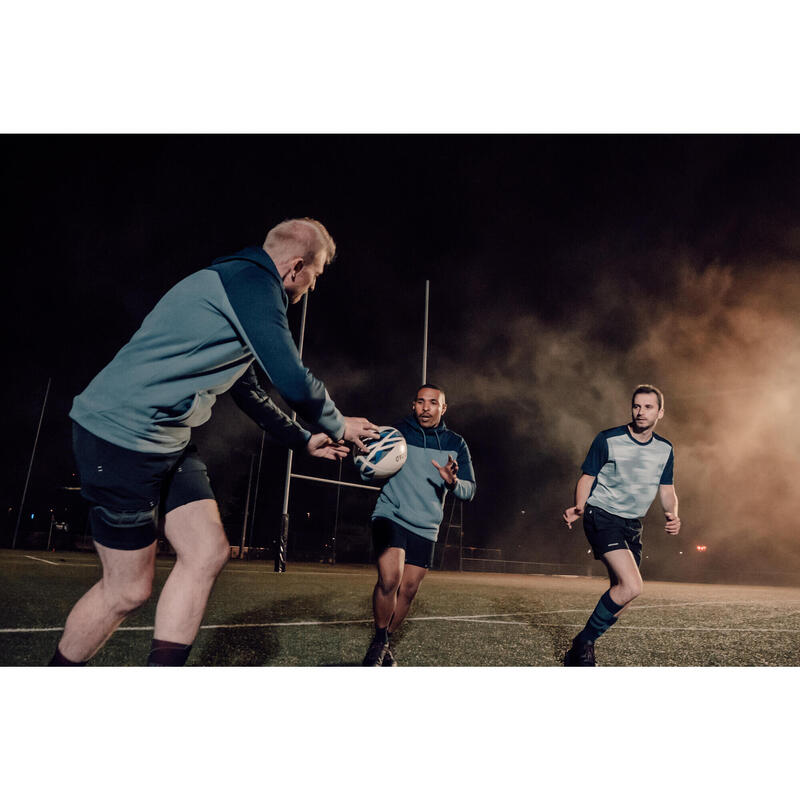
628,472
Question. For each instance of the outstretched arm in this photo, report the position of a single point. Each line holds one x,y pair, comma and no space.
582,491
251,398
321,445
669,502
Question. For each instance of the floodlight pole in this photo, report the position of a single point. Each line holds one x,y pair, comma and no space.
30,465
283,540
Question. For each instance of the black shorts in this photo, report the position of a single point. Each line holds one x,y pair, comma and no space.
606,532
387,533
129,491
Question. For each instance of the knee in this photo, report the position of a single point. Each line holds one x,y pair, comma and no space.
629,590
388,584
208,559
128,597
215,557
409,591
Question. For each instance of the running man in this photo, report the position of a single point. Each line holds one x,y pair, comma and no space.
408,512
622,473
132,430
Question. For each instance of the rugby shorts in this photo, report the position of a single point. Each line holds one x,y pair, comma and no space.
387,533
130,491
607,532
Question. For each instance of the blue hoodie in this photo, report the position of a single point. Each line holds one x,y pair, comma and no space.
414,496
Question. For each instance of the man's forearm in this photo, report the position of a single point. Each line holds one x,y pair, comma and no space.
582,491
669,502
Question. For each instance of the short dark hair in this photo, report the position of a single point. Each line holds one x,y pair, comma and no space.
648,388
430,386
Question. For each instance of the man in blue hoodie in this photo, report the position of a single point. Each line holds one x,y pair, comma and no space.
132,430
407,515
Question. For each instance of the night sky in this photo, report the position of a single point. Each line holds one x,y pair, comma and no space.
563,270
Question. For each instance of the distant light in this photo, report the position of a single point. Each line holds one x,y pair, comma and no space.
523,511
31,516
680,552
588,551
702,548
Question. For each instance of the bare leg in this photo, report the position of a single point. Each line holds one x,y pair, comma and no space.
195,531
412,577
626,580
384,597
126,584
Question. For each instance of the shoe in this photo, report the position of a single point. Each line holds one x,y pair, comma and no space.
581,654
388,658
375,654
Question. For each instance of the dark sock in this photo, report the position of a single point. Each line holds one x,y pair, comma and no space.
601,620
381,634
168,654
59,660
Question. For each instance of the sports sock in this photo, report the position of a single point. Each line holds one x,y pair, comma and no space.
381,634
60,660
601,620
168,654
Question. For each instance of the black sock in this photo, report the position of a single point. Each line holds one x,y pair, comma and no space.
601,620
168,654
59,660
381,634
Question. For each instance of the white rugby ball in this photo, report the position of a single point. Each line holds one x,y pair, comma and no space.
384,456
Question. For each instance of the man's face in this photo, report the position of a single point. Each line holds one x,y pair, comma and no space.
429,407
303,277
645,412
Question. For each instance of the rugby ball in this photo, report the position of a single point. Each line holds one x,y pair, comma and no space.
384,455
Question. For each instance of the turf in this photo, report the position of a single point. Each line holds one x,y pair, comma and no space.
317,615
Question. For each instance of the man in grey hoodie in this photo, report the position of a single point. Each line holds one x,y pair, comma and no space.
132,429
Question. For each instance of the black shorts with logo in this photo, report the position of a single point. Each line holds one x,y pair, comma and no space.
129,491
606,532
387,533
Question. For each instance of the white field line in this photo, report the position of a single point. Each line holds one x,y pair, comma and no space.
34,558
491,619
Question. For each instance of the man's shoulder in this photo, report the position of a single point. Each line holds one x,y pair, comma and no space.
663,440
610,433
452,440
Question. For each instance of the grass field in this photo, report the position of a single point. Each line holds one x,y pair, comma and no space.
316,615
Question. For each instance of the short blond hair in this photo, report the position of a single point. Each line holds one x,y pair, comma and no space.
302,236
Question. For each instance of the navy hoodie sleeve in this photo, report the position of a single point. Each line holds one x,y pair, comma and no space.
259,302
251,398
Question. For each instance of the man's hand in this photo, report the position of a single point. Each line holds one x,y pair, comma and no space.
673,523
572,514
358,428
449,471
321,445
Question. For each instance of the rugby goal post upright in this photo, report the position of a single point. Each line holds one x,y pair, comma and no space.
425,335
283,536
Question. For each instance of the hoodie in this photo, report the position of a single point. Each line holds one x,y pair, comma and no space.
414,496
